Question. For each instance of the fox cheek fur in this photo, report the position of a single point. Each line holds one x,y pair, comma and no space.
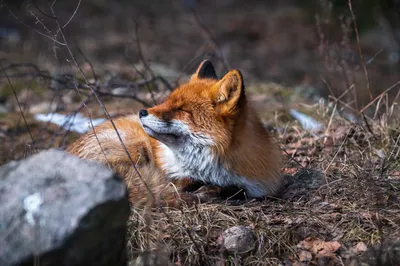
172,133
176,129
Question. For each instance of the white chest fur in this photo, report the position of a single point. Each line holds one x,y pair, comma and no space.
200,163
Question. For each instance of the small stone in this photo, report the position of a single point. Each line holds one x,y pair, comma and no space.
238,239
151,258
359,248
3,109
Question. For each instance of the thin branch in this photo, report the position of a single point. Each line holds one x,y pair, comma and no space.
359,49
144,62
42,12
337,152
45,75
67,120
144,103
378,97
20,108
73,15
373,57
210,38
368,126
292,158
35,30
87,61
199,251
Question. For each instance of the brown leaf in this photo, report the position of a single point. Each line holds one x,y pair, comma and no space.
395,174
319,247
289,171
366,215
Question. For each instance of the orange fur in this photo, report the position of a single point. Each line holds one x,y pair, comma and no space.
206,117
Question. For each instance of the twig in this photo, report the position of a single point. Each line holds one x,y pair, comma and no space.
210,38
368,126
327,84
330,120
190,63
193,241
30,65
373,57
103,93
45,75
292,158
42,12
379,96
67,121
395,145
35,30
89,62
359,49
144,62
337,152
395,100
73,14
20,108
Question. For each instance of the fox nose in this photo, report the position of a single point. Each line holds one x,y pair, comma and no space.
143,113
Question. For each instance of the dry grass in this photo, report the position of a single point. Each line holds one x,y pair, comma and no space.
346,189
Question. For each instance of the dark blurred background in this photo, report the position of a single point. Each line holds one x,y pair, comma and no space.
311,44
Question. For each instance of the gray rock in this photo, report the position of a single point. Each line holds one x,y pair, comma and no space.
56,209
387,253
238,240
302,184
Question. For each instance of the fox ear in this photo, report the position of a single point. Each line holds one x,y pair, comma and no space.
228,91
205,70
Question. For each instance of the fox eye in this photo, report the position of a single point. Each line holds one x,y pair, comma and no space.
182,109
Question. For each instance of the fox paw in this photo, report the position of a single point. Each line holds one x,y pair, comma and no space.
207,193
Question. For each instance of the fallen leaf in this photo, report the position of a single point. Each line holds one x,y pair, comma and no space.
289,171
395,174
319,247
366,215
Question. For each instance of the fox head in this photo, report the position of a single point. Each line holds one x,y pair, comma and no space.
199,113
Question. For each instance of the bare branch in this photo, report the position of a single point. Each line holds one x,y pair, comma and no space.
378,97
210,38
20,108
35,30
359,49
73,15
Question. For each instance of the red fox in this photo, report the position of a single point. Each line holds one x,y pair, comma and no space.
206,131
